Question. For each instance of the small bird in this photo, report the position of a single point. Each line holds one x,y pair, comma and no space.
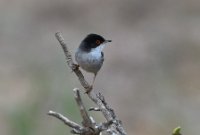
89,55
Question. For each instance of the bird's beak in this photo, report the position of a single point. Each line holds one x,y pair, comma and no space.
107,41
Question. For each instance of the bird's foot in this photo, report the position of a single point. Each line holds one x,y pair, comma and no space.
75,67
89,89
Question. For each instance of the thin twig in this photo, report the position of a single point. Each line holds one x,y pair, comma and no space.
86,119
94,109
65,120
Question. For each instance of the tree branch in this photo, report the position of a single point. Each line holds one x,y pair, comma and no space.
113,126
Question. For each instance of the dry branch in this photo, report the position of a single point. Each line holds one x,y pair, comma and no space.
113,126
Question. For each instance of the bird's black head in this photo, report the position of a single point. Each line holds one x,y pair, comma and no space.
92,41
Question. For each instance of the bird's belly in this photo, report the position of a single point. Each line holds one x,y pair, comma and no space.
90,62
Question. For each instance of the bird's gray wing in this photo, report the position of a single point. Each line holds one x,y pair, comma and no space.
102,56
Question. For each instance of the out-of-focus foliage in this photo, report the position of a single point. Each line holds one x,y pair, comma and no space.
176,131
150,75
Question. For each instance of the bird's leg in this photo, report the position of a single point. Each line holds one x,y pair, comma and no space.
95,74
91,86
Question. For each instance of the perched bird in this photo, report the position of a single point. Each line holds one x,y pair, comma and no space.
89,55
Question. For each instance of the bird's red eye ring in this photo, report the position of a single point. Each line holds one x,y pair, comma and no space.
98,42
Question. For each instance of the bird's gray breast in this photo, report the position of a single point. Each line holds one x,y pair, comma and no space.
90,61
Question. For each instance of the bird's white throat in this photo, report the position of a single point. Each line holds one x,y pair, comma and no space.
96,52
98,49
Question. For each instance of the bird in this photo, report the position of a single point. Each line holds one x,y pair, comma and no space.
89,55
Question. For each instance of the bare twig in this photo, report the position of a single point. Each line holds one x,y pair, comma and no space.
66,120
94,109
86,119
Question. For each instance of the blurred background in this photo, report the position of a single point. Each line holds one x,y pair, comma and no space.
151,73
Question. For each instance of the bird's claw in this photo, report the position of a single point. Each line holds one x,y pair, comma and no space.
75,67
89,89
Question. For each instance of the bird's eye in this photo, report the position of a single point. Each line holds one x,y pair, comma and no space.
98,42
